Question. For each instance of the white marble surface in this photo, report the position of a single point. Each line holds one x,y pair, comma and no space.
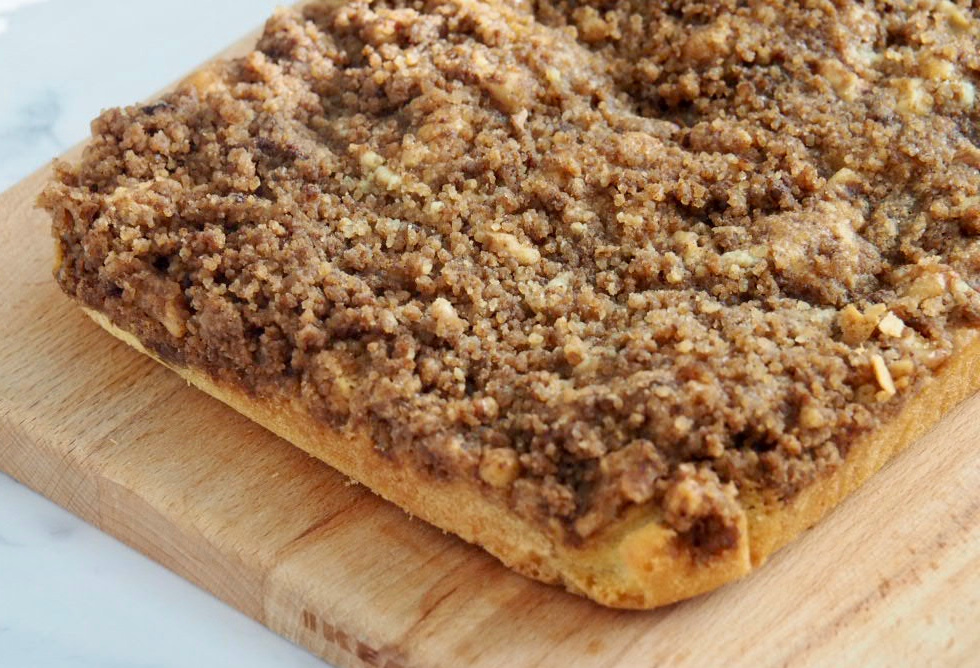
70,595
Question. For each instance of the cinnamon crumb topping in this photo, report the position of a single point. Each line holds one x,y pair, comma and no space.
592,255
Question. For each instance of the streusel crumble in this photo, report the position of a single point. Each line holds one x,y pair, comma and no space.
595,255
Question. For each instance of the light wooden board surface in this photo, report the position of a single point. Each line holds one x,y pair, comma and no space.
891,578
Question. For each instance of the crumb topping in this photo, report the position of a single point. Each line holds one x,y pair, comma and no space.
593,255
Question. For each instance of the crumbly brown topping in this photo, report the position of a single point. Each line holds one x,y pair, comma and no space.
593,255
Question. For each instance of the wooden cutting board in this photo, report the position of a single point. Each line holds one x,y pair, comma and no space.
891,578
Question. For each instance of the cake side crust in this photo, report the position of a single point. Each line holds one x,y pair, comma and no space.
636,563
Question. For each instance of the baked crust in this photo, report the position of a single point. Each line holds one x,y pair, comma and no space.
636,562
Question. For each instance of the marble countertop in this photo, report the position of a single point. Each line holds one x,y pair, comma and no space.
70,595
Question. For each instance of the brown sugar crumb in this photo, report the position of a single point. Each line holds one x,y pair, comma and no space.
700,508
592,256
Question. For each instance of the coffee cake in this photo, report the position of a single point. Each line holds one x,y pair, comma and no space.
629,293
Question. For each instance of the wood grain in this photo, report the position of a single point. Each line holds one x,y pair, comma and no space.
891,578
